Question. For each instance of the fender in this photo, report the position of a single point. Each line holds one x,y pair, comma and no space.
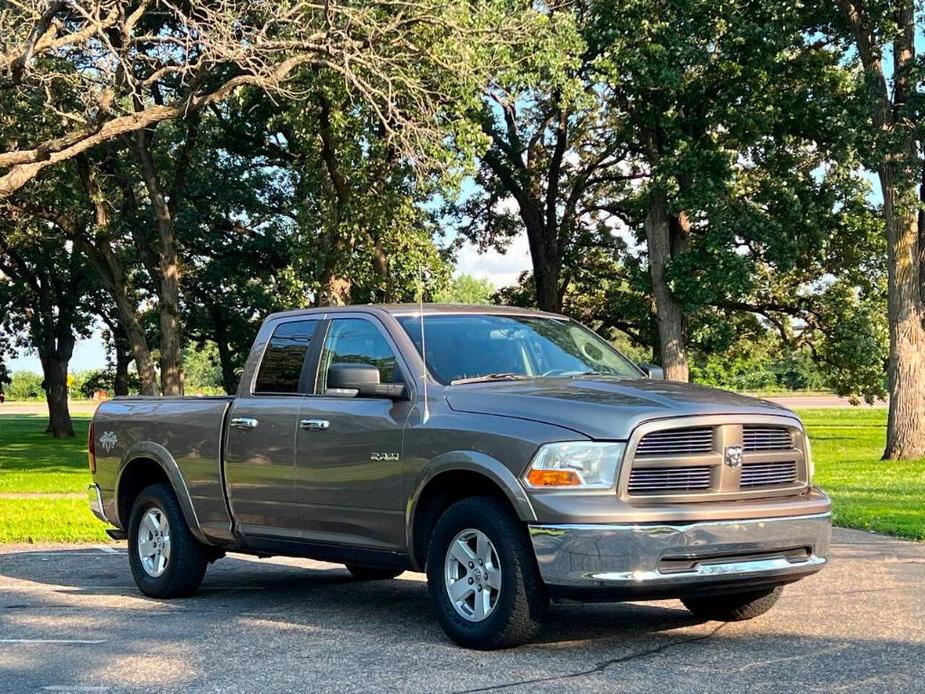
160,455
467,461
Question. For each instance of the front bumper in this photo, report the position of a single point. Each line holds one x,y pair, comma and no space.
654,560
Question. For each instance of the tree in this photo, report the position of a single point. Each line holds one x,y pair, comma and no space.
709,96
689,155
548,157
466,289
880,38
111,69
43,290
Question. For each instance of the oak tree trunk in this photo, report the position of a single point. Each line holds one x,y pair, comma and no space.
225,355
897,167
54,371
542,236
123,347
672,324
98,249
906,423
169,266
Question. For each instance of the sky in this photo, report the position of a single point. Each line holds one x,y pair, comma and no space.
500,269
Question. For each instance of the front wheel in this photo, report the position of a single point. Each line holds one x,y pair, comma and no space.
482,576
736,607
165,558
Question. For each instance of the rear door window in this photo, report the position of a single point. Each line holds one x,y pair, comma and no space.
281,368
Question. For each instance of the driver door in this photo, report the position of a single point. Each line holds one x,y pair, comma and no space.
349,482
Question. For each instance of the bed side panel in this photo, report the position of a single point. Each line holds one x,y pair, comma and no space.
184,435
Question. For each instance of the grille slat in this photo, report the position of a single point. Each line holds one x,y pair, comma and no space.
669,479
764,438
673,442
768,474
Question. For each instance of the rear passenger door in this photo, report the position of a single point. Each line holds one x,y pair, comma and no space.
260,444
349,483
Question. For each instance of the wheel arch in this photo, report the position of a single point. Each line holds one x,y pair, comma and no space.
449,478
149,463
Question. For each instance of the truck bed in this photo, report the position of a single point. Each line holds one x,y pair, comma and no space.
183,434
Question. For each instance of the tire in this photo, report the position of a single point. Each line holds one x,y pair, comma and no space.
736,607
516,596
185,560
373,573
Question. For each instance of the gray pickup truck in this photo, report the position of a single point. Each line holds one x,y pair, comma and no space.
513,456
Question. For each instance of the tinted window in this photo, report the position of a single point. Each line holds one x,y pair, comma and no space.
465,346
282,362
357,341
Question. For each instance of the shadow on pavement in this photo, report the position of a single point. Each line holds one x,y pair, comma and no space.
72,618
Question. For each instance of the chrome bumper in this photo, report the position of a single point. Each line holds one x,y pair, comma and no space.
96,502
660,559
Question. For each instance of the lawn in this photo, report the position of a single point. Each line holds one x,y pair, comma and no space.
887,497
33,463
869,493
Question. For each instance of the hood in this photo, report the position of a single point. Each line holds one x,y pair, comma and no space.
601,408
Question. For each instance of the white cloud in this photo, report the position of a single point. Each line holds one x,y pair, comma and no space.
501,269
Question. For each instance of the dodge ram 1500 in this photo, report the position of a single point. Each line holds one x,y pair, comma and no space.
513,456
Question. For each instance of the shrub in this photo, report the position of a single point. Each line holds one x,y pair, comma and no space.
25,385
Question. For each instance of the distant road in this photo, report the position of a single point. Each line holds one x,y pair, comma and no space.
800,401
77,407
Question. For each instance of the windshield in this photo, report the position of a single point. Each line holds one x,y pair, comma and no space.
471,346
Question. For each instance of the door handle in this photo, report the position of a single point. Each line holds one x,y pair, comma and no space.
243,422
314,424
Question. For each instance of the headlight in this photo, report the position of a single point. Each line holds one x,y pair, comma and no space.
810,465
584,464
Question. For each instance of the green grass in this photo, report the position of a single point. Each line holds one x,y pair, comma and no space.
887,497
868,493
49,520
32,461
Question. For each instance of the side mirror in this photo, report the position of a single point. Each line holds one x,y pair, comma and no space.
351,380
656,373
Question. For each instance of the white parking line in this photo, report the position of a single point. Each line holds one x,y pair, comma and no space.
77,641
73,688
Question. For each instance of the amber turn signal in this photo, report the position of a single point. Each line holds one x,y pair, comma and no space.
553,478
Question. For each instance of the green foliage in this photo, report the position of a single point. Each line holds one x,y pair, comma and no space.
87,383
466,289
202,372
25,385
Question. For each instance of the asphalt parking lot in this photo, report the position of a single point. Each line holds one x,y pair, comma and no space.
71,620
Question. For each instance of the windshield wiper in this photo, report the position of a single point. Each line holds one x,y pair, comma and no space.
489,377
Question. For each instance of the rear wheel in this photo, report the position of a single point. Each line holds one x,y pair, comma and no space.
482,576
736,607
373,573
166,560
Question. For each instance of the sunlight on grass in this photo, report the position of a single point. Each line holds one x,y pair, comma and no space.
32,461
868,493
49,520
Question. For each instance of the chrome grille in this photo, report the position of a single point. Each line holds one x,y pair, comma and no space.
675,442
756,437
669,479
768,474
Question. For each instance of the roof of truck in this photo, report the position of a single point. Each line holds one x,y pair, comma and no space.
415,309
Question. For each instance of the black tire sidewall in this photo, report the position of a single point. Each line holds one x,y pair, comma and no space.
177,580
510,541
